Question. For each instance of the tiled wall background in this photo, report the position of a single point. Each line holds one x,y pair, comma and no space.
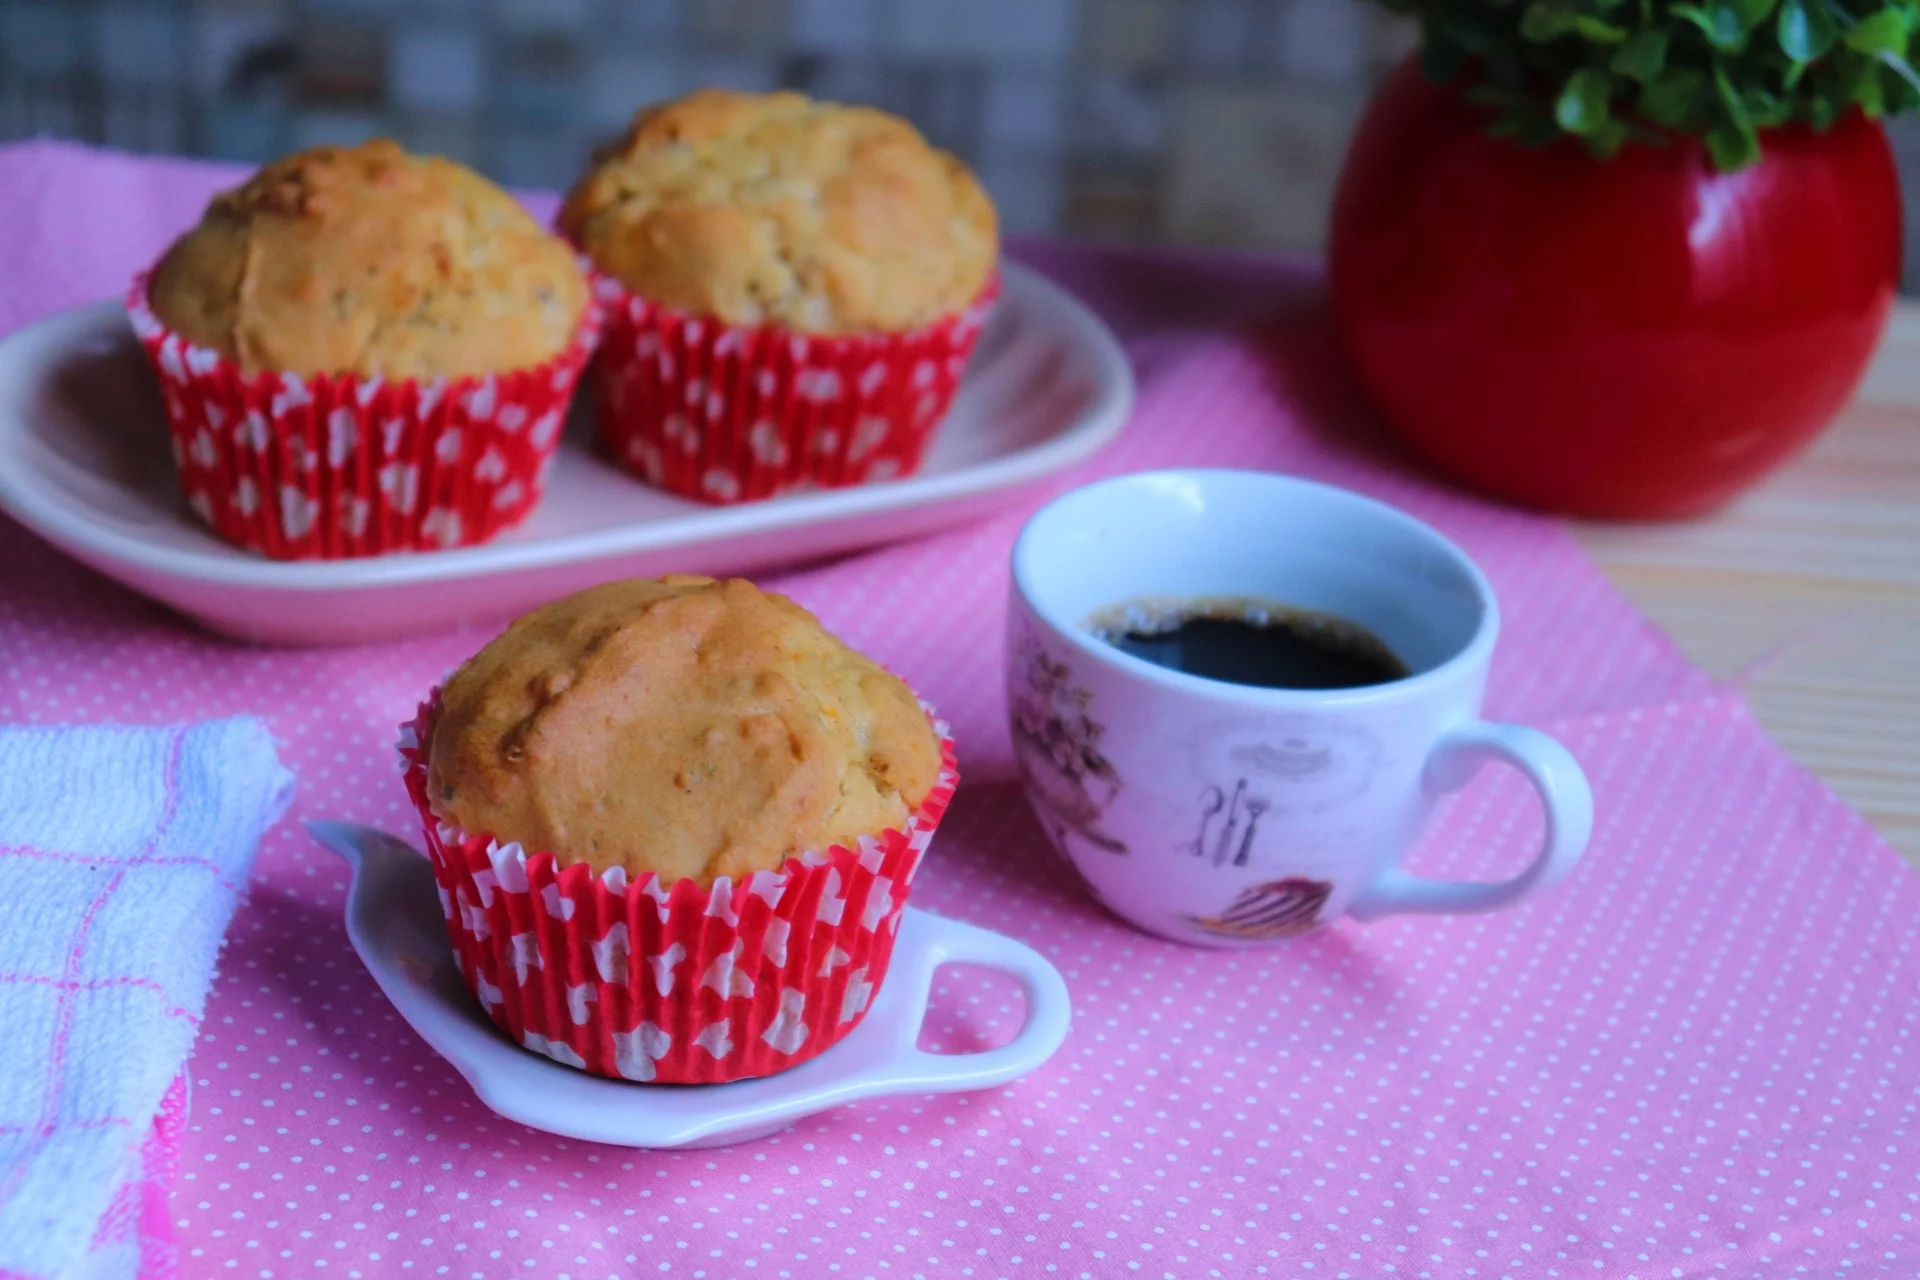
1208,122
1205,122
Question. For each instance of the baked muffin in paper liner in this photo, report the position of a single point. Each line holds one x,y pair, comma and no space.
334,466
625,978
729,413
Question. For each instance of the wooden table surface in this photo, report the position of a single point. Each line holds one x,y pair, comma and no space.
1807,594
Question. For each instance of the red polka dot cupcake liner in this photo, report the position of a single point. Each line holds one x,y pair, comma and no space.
628,979
333,466
727,413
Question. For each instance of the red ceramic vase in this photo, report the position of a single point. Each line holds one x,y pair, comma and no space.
1640,337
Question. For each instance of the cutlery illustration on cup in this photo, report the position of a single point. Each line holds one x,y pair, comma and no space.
1212,801
1255,807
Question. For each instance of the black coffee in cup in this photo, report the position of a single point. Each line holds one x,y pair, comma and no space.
1241,640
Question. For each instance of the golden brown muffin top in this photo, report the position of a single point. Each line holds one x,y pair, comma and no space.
367,260
678,725
776,209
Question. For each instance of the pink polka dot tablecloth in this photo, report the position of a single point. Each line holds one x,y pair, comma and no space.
1695,1058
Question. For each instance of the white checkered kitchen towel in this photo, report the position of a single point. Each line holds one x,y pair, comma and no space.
123,852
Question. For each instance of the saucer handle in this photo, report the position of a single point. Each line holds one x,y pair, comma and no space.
1564,794
930,941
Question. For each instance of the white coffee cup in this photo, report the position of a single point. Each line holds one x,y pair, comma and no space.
1234,815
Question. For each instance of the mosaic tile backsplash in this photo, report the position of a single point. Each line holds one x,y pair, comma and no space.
1203,122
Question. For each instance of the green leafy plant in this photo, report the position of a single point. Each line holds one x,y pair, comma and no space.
1607,71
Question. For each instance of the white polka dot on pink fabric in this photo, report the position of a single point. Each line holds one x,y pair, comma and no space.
1695,1058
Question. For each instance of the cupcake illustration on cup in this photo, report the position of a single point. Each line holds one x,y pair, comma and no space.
1275,909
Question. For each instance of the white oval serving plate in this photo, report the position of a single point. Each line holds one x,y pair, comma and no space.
84,463
393,921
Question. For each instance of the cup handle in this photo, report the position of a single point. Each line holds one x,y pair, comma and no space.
1564,794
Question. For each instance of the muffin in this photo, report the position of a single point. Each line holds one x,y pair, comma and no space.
793,290
674,822
363,351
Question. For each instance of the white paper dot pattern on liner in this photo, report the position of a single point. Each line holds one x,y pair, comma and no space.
679,430
203,451
509,867
559,1051
557,904
716,1039
472,918
354,512
491,467
637,1050
480,401
769,450
663,966
879,903
526,955
400,484
788,1032
441,527
832,905
343,432
252,432
579,996
296,512
858,992
725,979
292,394
610,955
546,428
819,385
489,994
770,886
868,435
774,947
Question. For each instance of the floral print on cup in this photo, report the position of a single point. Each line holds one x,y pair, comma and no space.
1057,744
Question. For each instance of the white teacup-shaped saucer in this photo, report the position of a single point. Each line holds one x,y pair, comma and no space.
394,922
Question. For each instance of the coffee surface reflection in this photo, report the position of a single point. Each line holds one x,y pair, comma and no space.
1249,642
